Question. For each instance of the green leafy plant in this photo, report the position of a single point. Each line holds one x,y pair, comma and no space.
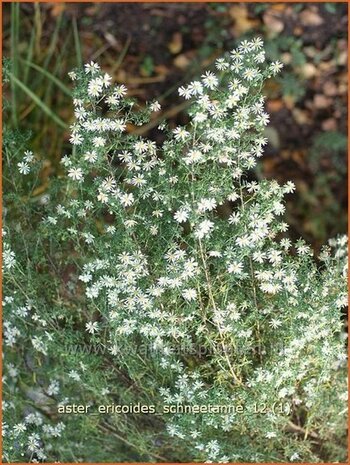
157,287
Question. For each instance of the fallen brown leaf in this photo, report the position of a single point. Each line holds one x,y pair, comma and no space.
329,124
301,116
182,61
274,105
298,156
286,58
57,9
330,89
321,101
242,22
175,45
273,22
289,101
310,17
308,71
297,31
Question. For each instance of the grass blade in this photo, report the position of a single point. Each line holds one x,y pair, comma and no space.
38,27
122,55
53,43
77,44
14,57
29,55
49,76
37,101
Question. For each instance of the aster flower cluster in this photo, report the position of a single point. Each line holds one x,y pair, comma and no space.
176,245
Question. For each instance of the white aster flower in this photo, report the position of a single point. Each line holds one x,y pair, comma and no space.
203,229
19,428
106,80
189,294
23,167
181,216
221,64
76,139
92,67
185,92
113,99
276,67
28,156
193,156
235,268
102,197
250,74
76,174
73,75
154,230
210,80
91,157
257,43
206,204
215,253
289,187
181,133
95,87
234,218
127,199
92,327
120,91
99,141
155,106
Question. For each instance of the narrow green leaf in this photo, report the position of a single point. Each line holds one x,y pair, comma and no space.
37,101
29,55
50,76
77,44
14,57
122,55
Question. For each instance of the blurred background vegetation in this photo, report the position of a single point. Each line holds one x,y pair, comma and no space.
154,48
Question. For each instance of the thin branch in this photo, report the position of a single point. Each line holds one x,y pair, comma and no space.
106,428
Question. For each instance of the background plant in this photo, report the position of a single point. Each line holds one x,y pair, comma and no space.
307,102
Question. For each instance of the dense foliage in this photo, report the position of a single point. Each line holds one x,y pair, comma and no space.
163,277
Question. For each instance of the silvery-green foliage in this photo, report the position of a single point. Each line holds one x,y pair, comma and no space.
177,252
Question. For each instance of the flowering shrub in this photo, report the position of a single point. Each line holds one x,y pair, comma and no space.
162,276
